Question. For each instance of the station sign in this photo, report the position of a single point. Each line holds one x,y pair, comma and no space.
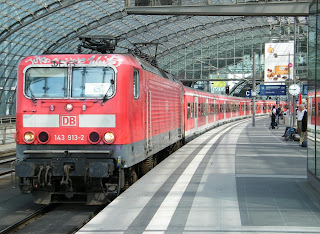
304,89
248,93
272,90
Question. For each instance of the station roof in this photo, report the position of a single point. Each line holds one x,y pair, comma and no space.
34,27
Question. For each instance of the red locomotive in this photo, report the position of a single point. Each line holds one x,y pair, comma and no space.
87,123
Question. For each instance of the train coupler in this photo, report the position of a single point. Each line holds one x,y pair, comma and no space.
67,181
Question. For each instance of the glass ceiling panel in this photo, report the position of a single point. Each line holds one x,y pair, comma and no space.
180,36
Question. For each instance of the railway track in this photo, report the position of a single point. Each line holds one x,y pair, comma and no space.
55,218
27,219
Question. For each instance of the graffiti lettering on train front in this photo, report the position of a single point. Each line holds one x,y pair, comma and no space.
66,62
93,60
104,60
38,60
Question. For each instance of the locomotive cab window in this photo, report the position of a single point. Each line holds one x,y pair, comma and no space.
93,82
46,82
85,82
136,84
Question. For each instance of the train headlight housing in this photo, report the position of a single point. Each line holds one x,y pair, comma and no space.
69,107
29,137
94,137
43,137
109,137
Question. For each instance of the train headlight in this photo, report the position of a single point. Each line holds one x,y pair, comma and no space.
69,107
43,137
94,137
109,137
29,137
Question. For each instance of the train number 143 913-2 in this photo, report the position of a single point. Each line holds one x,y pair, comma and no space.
69,137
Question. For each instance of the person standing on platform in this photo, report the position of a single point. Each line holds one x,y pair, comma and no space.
273,114
304,127
300,115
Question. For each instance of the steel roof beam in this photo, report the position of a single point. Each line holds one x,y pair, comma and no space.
38,14
83,30
255,9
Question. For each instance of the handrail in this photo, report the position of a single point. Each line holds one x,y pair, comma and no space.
7,120
7,129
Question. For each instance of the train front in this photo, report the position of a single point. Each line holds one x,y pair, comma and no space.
66,118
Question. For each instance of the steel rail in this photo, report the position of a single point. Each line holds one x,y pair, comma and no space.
14,226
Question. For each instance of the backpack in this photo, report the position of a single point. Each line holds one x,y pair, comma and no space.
289,133
304,144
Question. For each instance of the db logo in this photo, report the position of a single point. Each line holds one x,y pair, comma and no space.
68,121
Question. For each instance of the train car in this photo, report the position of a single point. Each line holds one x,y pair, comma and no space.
204,110
88,123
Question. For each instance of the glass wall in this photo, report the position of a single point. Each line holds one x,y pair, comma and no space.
313,91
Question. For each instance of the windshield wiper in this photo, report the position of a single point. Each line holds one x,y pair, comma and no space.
33,97
105,97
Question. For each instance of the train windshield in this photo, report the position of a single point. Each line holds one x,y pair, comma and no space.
86,82
93,82
46,82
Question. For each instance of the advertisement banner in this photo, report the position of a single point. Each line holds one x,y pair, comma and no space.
278,62
218,86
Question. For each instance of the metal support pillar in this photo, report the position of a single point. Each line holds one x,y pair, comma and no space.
294,70
253,92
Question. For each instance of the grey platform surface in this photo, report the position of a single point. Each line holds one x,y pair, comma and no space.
232,179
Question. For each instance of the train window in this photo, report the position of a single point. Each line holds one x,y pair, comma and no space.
318,109
313,109
189,110
136,84
196,110
192,110
93,82
46,82
203,109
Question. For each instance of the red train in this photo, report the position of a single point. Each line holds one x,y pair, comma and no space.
88,123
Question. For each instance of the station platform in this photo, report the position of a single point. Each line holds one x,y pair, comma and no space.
233,179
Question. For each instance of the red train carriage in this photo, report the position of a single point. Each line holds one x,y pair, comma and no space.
204,110
85,121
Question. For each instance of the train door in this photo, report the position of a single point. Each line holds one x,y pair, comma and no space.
149,120
206,111
231,109
214,110
224,110
312,110
196,113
